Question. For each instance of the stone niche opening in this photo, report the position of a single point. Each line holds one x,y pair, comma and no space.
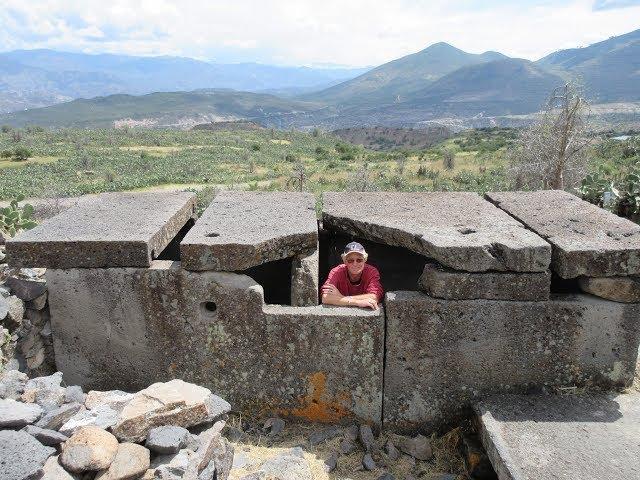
275,279
399,267
172,250
561,285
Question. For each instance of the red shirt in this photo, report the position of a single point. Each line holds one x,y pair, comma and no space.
369,281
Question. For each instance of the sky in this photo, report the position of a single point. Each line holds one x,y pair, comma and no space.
315,33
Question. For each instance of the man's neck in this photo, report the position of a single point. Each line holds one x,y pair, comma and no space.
355,279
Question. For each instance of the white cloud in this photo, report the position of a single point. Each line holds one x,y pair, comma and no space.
355,32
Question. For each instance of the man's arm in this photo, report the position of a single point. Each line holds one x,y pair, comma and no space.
332,296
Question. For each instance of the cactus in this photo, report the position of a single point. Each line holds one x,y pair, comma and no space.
14,219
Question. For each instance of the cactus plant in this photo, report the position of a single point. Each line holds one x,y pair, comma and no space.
15,218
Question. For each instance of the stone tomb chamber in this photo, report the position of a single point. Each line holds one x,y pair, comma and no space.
141,291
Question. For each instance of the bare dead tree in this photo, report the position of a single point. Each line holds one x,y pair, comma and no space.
361,180
298,177
552,153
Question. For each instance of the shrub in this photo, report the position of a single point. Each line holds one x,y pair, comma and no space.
15,218
448,160
255,147
20,154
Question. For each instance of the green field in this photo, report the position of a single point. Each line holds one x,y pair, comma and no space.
72,162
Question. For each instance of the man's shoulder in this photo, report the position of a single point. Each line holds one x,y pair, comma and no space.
338,269
371,269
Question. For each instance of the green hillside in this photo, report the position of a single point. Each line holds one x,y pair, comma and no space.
396,80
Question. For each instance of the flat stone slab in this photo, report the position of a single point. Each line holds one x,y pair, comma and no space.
443,356
107,230
586,437
586,239
441,282
240,230
460,230
618,289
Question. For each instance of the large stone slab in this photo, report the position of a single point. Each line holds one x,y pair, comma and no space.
445,355
590,437
240,230
618,289
458,229
108,230
212,328
441,282
586,239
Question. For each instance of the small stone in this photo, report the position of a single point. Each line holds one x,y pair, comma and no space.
26,289
17,414
56,418
618,289
90,448
368,463
149,474
167,439
12,384
101,417
352,432
45,391
391,451
172,466
193,442
418,447
47,437
323,435
386,476
273,425
130,462
15,312
54,471
347,447
38,303
114,399
366,438
4,308
213,448
74,394
331,463
22,457
4,291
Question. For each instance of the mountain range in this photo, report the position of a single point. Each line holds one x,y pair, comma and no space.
438,82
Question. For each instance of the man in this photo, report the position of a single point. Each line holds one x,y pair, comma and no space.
354,283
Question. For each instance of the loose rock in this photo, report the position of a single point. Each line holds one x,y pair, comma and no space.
418,447
22,457
15,312
172,466
386,476
102,417
347,447
74,394
54,471
331,463
213,448
114,399
38,303
26,289
45,391
286,466
167,439
130,462
90,448
368,463
328,433
17,414
366,438
12,384
56,418
50,438
274,426
391,451
618,289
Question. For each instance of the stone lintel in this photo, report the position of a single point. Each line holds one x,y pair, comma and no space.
442,356
240,230
586,239
442,282
546,437
106,230
618,289
460,230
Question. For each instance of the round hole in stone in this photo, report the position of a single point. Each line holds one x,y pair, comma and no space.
212,235
466,230
210,306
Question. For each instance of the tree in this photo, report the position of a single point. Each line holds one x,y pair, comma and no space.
298,177
448,160
552,153
21,154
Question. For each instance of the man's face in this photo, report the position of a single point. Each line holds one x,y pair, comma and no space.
355,263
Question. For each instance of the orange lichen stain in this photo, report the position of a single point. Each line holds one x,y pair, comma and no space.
316,407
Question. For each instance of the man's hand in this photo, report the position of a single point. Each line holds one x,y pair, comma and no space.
366,303
331,293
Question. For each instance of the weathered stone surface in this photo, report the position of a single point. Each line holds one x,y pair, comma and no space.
17,414
368,441
213,448
21,456
45,436
130,462
12,384
444,355
618,289
74,394
327,433
240,230
108,230
54,419
167,439
473,235
441,282
255,356
114,399
304,280
586,239
4,308
172,403
550,437
15,311
368,463
101,416
38,303
26,289
172,466
89,449
418,447
273,426
45,391
54,471
286,466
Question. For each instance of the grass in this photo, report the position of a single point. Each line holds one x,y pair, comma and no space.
8,163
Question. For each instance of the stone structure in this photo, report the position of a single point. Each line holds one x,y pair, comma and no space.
489,318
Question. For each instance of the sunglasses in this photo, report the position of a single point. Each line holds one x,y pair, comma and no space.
357,260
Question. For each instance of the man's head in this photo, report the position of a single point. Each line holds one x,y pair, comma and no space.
354,257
